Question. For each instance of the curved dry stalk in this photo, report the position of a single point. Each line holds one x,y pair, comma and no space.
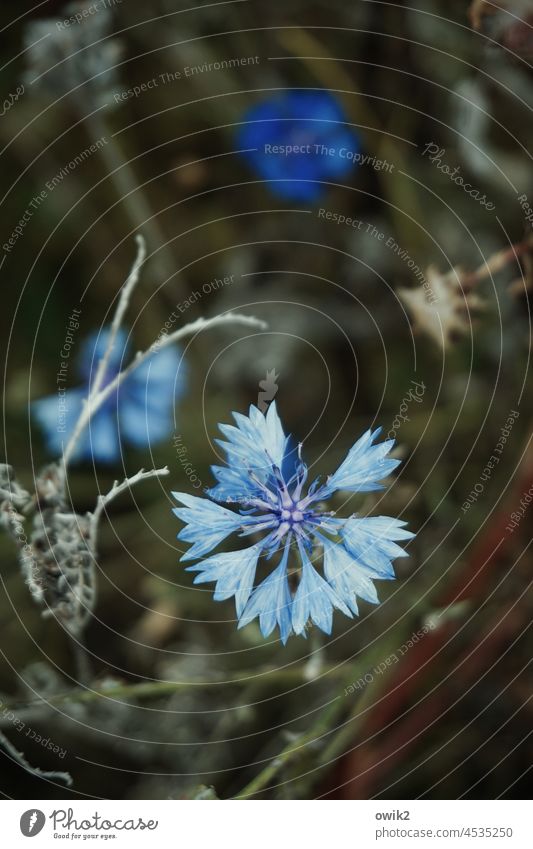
98,395
116,490
34,770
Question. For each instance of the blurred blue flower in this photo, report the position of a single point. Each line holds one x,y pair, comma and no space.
297,140
264,479
140,411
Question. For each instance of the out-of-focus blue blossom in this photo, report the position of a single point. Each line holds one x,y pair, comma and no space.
296,140
264,481
140,411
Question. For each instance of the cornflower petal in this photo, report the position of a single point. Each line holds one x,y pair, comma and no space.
207,523
272,602
370,541
345,575
257,441
314,600
297,141
364,466
139,411
57,421
254,445
234,573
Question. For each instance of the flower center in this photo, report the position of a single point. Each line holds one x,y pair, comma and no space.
292,514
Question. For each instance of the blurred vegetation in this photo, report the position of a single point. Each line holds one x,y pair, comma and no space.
178,697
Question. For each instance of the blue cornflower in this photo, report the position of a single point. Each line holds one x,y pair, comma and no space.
264,480
139,411
296,140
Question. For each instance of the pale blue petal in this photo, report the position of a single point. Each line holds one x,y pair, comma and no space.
256,442
234,573
272,602
143,424
103,441
163,368
146,399
383,527
233,485
254,445
57,416
346,576
98,442
370,541
207,523
363,467
314,600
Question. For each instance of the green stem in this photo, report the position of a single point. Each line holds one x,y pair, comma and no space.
157,689
325,726
291,752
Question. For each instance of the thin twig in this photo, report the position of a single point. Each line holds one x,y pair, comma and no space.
116,490
39,773
122,305
189,330
497,262
93,403
97,394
